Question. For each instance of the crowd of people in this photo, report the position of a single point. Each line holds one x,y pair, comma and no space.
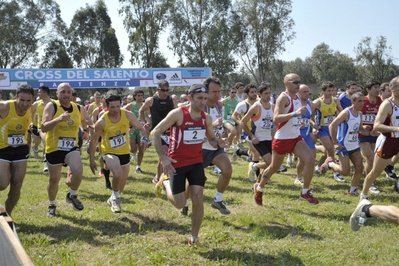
350,127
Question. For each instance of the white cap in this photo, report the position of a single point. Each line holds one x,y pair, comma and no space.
78,100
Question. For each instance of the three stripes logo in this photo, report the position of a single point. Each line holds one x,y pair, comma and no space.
175,77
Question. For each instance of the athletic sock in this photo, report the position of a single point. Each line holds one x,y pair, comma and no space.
115,194
305,190
72,193
218,196
352,188
52,202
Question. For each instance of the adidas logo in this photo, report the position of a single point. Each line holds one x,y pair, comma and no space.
175,77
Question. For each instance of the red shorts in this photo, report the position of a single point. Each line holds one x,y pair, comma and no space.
284,146
385,147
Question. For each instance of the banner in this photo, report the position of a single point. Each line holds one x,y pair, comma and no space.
10,79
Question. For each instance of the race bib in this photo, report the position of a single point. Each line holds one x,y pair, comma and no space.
66,144
16,140
368,118
353,136
305,122
165,138
193,135
328,119
117,141
297,121
266,124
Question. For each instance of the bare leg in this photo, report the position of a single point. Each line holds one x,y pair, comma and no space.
387,213
378,166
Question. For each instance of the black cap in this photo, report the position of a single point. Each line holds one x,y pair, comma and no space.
197,88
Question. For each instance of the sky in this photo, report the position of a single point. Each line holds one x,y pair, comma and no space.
341,24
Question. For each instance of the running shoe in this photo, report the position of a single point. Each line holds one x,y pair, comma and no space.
282,169
51,210
317,170
115,204
45,167
184,211
358,217
133,158
353,193
138,171
309,197
217,170
373,189
324,167
258,195
251,172
338,177
198,246
390,172
298,181
76,204
36,154
159,186
220,206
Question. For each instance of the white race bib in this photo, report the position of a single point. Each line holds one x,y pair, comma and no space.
353,136
193,135
16,140
66,144
328,119
266,124
117,141
368,118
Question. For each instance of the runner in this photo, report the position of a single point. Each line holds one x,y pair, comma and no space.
287,117
113,127
189,125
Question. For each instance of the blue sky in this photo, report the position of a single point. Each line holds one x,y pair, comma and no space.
339,23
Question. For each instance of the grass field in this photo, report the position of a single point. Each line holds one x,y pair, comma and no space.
150,231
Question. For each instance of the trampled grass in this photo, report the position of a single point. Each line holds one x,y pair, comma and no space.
150,231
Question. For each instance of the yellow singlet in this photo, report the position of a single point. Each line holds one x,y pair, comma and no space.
64,136
115,136
327,112
14,128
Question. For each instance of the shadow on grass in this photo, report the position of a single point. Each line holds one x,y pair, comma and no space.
132,224
276,231
284,258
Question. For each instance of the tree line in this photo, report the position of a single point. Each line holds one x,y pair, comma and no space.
239,39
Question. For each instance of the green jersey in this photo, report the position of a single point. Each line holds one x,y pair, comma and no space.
228,108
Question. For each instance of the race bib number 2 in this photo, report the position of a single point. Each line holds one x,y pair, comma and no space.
66,144
193,135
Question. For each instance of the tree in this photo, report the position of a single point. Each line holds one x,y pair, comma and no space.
374,63
93,43
332,65
265,26
144,21
56,56
301,67
25,24
200,35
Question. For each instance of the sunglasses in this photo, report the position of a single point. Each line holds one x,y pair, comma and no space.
163,90
296,82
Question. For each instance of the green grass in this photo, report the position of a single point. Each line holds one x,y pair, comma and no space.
150,231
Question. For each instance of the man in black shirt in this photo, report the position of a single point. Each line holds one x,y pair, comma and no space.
159,105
